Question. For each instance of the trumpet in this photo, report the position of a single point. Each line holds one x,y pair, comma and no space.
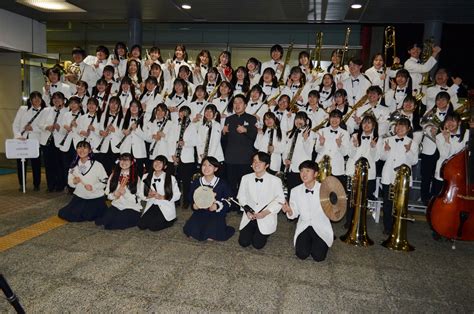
287,60
390,42
425,55
317,54
344,49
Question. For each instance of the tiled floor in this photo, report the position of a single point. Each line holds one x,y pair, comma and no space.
80,267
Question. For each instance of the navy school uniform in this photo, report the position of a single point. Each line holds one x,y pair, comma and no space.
204,224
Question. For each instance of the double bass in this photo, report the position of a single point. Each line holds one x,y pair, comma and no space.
451,213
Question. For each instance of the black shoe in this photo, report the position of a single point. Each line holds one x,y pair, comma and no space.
36,188
386,232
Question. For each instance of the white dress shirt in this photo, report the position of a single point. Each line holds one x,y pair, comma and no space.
167,207
330,148
396,156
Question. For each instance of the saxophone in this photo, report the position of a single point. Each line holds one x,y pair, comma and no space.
398,238
293,107
357,233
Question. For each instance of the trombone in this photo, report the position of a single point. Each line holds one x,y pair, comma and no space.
345,48
317,54
390,42
287,60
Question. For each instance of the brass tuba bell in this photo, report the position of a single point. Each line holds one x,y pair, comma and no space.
397,241
357,233
324,168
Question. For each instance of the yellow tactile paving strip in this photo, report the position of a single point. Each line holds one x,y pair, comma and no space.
28,233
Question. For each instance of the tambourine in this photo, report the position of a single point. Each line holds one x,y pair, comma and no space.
204,197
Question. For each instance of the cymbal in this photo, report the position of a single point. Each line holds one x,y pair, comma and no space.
333,198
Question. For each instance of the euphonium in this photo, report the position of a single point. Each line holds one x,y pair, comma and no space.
287,59
325,169
390,42
317,54
429,120
398,239
344,49
357,233
425,55
74,70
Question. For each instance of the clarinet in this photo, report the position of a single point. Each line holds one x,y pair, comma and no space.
50,138
292,150
67,134
129,129
31,121
179,148
103,139
208,139
152,149
270,141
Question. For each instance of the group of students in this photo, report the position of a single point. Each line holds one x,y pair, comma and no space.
123,105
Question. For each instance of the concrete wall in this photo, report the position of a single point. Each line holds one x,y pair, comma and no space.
21,33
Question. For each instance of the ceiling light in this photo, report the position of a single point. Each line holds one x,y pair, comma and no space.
356,6
186,6
51,5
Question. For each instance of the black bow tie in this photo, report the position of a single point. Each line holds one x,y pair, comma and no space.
380,72
56,110
100,97
419,62
156,180
332,131
400,90
223,100
134,119
295,86
399,139
75,114
210,84
125,95
268,85
309,191
259,180
365,137
279,113
442,113
148,94
178,62
254,104
456,135
204,66
179,97
276,62
54,85
444,88
356,80
34,109
324,92
239,85
90,117
199,102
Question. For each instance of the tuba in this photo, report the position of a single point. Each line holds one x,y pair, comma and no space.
425,55
398,239
324,168
391,43
357,233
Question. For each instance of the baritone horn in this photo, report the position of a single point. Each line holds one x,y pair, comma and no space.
397,240
390,43
357,233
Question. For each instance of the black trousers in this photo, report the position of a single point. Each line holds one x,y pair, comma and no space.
250,234
184,174
370,193
387,209
54,167
35,167
309,243
234,173
428,167
108,160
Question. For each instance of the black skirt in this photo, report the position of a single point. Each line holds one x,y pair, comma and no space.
203,225
115,218
80,209
154,220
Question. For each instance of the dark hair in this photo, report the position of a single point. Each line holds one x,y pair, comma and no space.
212,160
314,93
271,115
409,87
184,68
139,71
355,61
35,94
262,156
128,115
333,85
108,68
117,47
119,114
374,122
378,54
200,87
246,81
229,56
85,85
276,48
103,49
216,72
56,95
336,113
82,143
297,69
133,176
127,80
454,116
213,108
139,49
279,99
309,164
186,110
160,80
273,74
156,49
255,61
299,115
375,89
79,51
185,88
163,107
168,178
201,53
182,48
305,54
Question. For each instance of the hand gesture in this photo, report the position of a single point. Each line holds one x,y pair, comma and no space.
456,80
386,147
393,84
339,84
373,142
322,139
76,180
225,129
271,148
436,51
407,147
306,134
339,140
446,135
355,141
287,209
213,207
262,214
356,118
241,129
88,187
